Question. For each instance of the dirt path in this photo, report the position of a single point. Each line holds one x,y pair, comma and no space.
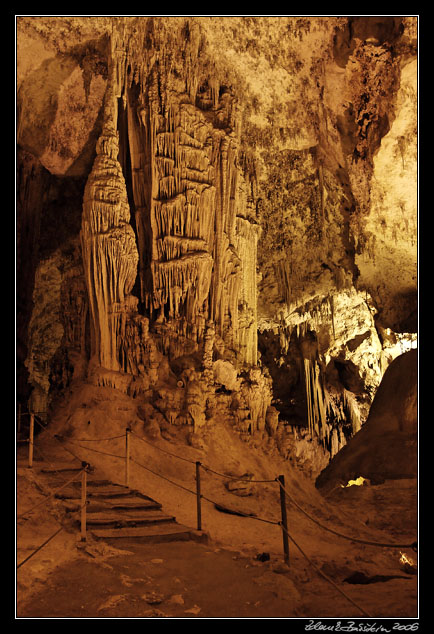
175,580
203,580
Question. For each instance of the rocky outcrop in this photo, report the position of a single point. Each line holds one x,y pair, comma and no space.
386,447
194,246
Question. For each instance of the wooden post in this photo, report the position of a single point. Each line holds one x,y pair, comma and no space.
127,456
31,436
19,419
281,480
83,502
198,497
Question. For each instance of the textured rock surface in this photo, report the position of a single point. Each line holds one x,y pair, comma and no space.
386,447
244,190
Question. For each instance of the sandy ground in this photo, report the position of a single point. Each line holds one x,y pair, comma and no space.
225,577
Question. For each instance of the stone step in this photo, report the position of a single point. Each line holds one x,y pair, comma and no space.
115,513
90,483
152,533
61,467
119,503
126,518
73,492
123,503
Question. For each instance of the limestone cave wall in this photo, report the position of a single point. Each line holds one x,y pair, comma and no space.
218,215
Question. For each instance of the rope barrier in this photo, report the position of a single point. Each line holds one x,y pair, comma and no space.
194,462
46,541
95,439
45,459
320,572
40,547
233,477
200,496
163,477
56,437
50,495
104,453
352,539
251,517
163,450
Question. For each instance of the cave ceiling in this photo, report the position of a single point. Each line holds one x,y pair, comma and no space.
327,123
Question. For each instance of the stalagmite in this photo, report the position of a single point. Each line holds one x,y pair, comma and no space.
109,249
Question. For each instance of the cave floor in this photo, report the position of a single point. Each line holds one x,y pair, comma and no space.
195,580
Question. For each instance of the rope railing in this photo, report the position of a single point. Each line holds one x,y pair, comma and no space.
177,483
40,547
104,453
81,508
321,573
159,475
169,453
225,476
284,496
93,439
50,495
31,441
353,539
238,479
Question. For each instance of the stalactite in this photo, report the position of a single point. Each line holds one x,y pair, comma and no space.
307,375
352,408
184,181
316,401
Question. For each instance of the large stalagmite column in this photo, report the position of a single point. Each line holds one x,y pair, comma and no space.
196,249
109,250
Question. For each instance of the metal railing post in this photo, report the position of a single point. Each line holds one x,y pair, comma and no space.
127,456
83,501
281,480
31,436
198,497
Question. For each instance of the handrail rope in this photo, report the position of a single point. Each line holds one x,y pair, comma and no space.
47,541
50,495
68,450
352,539
163,450
45,459
93,439
324,575
202,496
233,477
104,453
57,439
383,545
252,517
177,484
194,462
40,547
163,477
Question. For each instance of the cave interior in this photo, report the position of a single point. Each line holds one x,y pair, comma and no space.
216,247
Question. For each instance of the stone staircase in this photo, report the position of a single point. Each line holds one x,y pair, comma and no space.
116,513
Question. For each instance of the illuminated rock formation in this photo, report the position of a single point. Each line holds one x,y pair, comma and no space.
244,190
109,251
386,446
